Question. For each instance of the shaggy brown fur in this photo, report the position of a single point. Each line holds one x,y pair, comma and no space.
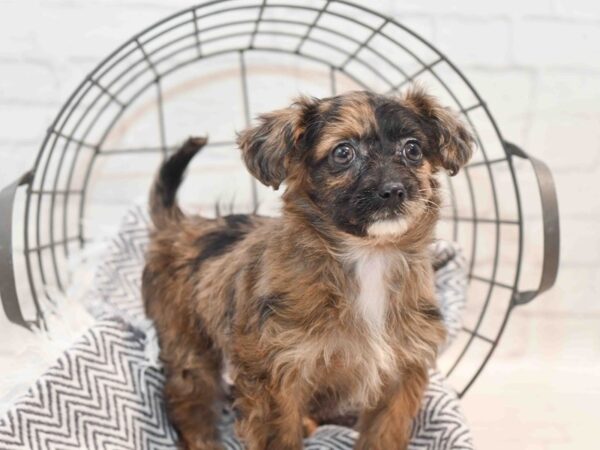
329,308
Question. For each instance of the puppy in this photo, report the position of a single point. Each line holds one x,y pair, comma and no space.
329,308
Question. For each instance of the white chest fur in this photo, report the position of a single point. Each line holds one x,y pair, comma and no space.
372,297
367,355
371,302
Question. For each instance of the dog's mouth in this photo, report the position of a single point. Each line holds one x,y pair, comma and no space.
389,227
370,217
388,213
388,222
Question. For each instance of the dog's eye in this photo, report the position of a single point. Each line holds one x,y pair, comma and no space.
412,151
343,154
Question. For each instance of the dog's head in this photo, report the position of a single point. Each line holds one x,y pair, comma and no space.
362,162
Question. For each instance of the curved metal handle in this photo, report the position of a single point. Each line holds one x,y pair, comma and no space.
551,225
8,290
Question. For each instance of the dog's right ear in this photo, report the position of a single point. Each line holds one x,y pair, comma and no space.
267,147
455,139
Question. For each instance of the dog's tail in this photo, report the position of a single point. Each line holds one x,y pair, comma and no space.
163,195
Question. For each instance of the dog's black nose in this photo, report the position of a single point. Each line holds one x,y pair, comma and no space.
392,191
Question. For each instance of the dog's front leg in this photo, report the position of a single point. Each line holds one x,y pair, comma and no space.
388,425
270,416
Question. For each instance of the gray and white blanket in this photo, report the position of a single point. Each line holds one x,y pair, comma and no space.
105,392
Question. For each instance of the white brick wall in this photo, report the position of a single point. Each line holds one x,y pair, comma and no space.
536,62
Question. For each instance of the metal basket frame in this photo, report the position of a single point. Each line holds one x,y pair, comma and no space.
97,93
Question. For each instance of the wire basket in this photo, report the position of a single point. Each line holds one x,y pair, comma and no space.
210,69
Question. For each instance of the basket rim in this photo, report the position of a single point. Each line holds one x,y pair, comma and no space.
305,6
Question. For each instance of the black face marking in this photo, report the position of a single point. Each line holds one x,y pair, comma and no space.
315,121
348,192
396,121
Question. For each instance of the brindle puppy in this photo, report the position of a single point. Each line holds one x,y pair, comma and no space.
326,309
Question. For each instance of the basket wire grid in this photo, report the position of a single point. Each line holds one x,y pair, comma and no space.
346,46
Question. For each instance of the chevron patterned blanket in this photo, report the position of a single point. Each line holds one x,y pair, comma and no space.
105,392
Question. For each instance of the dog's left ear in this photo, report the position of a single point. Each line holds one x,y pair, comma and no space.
455,141
267,147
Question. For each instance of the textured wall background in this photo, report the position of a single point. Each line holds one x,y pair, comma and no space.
537,65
